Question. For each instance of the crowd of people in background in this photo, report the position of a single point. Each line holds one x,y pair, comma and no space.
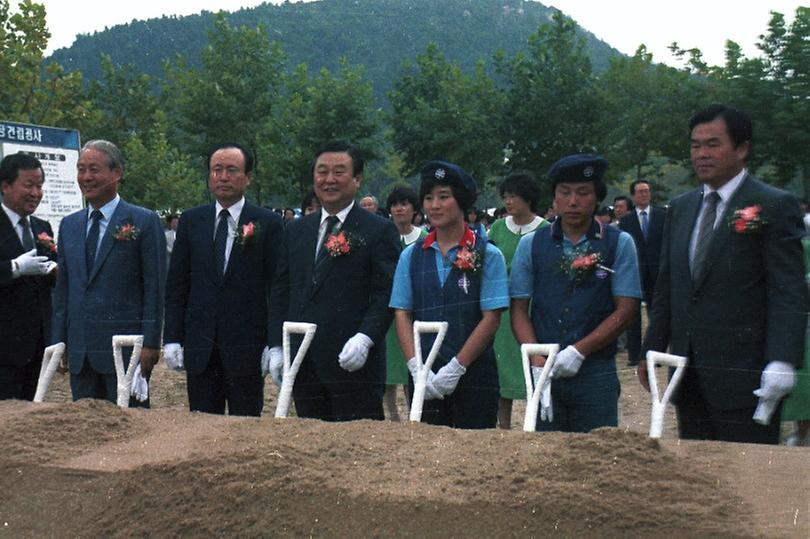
719,272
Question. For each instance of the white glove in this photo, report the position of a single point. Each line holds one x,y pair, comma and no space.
430,391
30,264
273,363
355,352
173,356
140,387
447,378
567,363
777,381
546,410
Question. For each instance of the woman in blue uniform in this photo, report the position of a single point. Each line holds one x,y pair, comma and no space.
453,275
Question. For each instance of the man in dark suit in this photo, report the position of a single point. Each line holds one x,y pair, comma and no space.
26,247
730,293
336,270
646,225
112,267
217,292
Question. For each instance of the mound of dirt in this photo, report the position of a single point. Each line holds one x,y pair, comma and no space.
91,469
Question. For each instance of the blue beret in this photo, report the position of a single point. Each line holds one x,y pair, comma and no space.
448,173
578,168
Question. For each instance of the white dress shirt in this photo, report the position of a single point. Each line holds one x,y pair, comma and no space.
726,191
341,215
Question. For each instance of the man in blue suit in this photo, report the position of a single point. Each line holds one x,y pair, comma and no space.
336,270
112,266
218,288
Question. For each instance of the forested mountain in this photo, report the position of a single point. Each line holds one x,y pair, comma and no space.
377,34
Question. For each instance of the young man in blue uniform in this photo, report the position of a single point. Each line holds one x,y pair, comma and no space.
453,275
576,283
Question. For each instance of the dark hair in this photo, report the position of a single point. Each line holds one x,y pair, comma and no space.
341,146
402,193
628,200
523,184
635,183
288,209
306,202
738,124
171,217
12,164
250,159
464,197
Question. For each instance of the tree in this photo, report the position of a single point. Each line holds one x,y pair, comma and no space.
124,101
157,174
644,111
774,89
552,107
231,98
439,112
329,107
30,93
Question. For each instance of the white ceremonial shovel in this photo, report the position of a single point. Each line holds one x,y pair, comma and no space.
50,361
291,368
419,327
533,392
659,406
125,379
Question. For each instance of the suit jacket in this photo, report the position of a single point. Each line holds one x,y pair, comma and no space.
25,310
202,309
344,295
649,250
123,293
749,306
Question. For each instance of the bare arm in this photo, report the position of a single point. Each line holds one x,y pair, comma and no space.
611,327
523,328
480,338
404,325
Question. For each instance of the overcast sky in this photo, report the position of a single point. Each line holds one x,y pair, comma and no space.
624,24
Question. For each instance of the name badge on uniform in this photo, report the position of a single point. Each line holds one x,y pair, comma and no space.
464,284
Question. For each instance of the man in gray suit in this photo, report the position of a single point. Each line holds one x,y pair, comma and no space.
730,293
112,267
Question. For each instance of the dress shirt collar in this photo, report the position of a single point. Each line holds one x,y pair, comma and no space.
646,210
727,189
521,230
12,216
235,210
341,215
411,236
106,210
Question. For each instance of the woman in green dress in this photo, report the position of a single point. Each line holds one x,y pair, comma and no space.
797,405
520,195
403,206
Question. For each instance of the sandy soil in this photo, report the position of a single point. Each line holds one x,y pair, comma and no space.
91,469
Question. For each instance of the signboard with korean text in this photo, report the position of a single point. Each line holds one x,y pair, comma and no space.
58,151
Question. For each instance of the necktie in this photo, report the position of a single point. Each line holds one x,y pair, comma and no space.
27,238
331,222
705,234
91,244
645,223
221,241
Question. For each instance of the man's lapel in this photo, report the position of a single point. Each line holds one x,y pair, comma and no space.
722,232
237,249
11,243
120,214
323,264
682,233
